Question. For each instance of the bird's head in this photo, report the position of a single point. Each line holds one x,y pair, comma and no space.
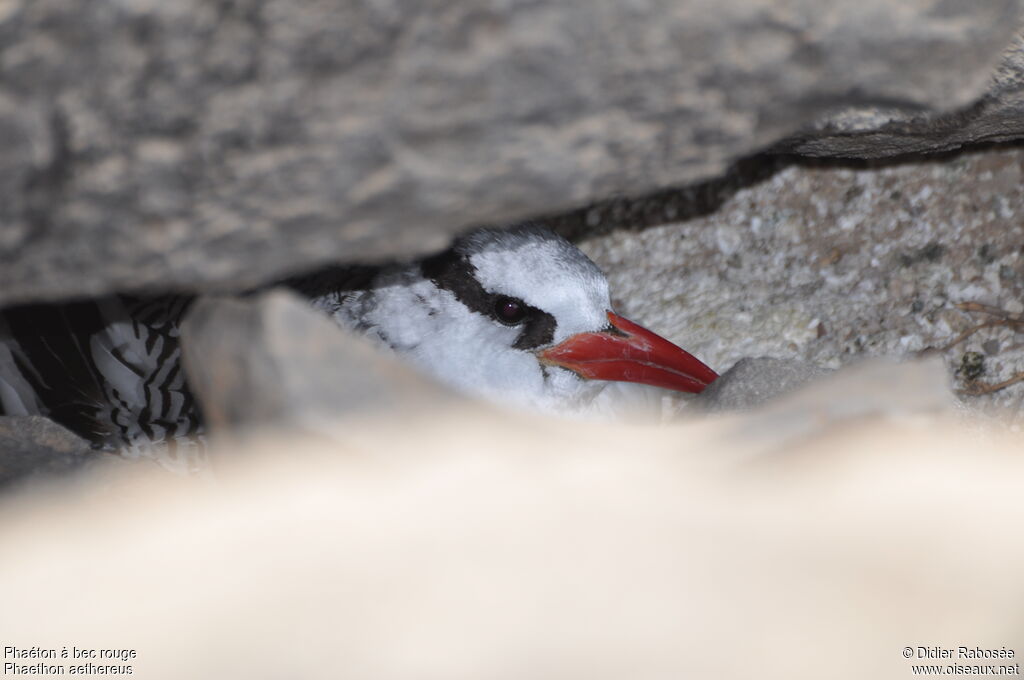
534,324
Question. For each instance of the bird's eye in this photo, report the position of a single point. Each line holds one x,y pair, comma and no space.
509,310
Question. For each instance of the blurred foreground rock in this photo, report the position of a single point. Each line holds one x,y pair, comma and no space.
33,446
509,547
207,145
274,360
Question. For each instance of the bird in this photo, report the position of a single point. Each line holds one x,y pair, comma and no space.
518,316
108,369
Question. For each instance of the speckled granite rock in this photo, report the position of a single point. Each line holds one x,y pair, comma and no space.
827,263
31,446
202,144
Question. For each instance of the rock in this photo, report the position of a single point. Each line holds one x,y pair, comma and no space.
273,360
784,401
32,446
754,381
830,261
871,387
879,389
459,549
884,131
205,145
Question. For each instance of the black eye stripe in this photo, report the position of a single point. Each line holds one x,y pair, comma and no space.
453,272
538,331
538,326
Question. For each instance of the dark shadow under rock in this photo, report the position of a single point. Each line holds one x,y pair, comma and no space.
675,204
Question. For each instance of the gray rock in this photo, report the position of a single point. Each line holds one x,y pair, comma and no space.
884,131
273,360
754,381
32,446
206,145
790,401
880,389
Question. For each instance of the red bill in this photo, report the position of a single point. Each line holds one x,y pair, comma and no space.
629,352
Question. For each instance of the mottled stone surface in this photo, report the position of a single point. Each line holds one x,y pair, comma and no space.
273,360
202,144
31,446
826,264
